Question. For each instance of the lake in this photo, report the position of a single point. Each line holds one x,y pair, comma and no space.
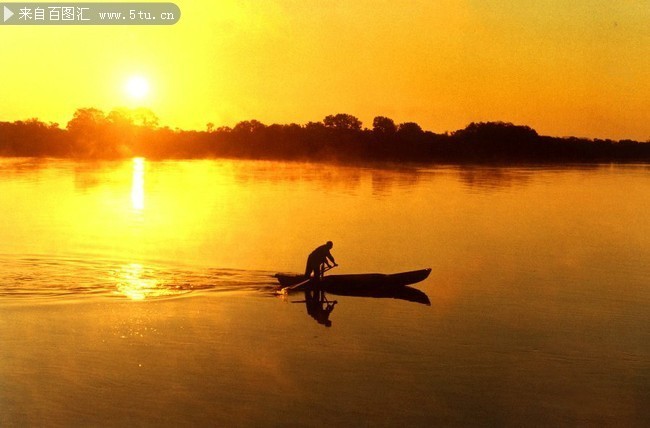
140,293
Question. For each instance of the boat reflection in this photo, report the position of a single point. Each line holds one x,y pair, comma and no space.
320,307
402,293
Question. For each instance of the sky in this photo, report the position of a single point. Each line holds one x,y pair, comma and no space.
566,68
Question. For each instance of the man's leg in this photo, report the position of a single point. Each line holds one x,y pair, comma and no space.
310,267
307,270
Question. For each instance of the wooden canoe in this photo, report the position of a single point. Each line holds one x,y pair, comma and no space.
363,281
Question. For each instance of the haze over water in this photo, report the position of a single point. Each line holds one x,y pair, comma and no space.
141,291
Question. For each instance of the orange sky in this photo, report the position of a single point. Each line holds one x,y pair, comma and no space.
565,68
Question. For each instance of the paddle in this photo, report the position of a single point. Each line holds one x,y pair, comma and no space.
293,287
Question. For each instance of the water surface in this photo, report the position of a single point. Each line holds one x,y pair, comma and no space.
142,292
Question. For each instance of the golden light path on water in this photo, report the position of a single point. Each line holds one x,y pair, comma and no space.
137,186
138,280
134,283
133,280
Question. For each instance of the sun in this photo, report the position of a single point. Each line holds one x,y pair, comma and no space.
137,87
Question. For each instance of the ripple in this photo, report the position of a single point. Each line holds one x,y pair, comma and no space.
38,278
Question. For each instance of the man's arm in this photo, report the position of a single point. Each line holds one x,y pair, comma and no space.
329,256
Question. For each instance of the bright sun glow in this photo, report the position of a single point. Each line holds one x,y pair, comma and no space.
137,87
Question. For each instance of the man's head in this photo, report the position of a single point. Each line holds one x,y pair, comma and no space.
329,245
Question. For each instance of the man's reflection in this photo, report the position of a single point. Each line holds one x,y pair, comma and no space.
318,306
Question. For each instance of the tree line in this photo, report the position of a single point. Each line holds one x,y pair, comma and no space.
121,133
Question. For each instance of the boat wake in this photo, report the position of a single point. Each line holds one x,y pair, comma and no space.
39,278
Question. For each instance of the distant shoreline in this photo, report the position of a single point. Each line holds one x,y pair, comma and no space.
92,134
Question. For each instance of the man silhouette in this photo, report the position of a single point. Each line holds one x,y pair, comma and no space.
318,258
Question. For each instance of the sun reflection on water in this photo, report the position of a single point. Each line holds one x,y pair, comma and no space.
136,283
137,186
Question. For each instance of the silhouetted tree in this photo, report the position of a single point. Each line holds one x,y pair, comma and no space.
314,127
143,117
342,121
496,131
117,134
87,121
248,126
498,141
383,126
134,132
409,129
32,138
